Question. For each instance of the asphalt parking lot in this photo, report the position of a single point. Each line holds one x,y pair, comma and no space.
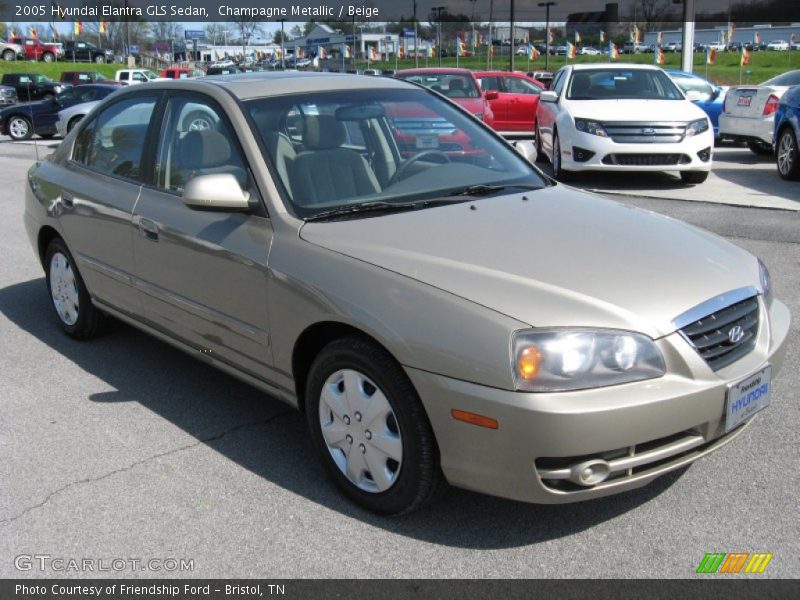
126,448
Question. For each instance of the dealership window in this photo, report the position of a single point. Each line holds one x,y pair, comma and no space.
113,142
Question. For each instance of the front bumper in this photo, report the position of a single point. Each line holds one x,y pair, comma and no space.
676,419
608,155
745,129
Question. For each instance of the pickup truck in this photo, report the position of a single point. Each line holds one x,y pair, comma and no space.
35,50
8,95
33,86
180,73
11,51
134,76
80,51
85,77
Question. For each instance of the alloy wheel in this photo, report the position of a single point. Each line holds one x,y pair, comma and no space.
787,153
19,128
64,289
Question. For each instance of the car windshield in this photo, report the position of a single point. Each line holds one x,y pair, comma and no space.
622,84
397,148
790,78
150,75
449,84
41,79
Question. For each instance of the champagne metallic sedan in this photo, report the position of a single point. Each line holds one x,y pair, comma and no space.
440,314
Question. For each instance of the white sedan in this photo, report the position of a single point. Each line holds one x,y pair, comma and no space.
748,114
71,116
781,45
622,117
589,51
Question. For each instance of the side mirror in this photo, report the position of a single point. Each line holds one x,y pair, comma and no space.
492,95
548,96
220,191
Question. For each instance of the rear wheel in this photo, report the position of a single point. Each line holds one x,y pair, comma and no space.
99,59
786,155
759,148
69,297
694,176
48,57
369,428
538,141
558,172
9,55
19,128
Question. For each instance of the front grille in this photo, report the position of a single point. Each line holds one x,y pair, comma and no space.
725,336
646,160
657,132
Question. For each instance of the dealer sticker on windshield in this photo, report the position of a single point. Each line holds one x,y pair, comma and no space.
748,397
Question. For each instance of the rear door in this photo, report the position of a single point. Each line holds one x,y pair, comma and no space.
523,99
202,274
500,104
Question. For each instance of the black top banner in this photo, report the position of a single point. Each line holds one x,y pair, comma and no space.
497,11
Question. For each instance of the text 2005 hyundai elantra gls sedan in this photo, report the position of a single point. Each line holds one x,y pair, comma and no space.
441,313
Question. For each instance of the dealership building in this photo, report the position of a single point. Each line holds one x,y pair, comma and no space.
768,34
333,41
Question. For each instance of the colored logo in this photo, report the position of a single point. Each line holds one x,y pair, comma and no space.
735,562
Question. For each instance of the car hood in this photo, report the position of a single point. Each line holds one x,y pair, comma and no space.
622,110
561,258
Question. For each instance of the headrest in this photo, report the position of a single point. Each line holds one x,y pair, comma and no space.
323,132
204,149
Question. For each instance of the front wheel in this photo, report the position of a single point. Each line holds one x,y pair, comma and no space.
69,297
369,428
99,59
694,176
558,172
760,148
9,55
48,57
786,155
19,128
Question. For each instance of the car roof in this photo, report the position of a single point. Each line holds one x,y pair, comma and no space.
610,65
261,84
501,74
435,70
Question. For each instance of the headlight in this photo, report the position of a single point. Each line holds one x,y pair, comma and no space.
554,360
589,126
695,127
765,281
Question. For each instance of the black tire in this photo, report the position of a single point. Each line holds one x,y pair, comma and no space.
19,128
760,148
694,176
540,155
419,479
559,173
9,55
787,154
72,122
48,57
89,320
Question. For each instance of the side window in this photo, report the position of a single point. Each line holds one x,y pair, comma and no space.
196,140
123,76
558,83
25,79
516,85
138,77
489,83
354,136
113,142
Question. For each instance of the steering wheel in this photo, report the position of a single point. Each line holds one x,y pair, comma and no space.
424,154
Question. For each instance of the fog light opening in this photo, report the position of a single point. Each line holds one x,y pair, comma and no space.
590,472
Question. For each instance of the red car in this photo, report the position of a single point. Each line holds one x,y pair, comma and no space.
515,103
460,85
35,50
178,73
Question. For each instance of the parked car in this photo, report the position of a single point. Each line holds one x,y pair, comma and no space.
77,78
463,320
631,48
779,45
672,47
703,93
622,117
231,70
543,77
82,51
135,76
68,118
180,73
8,95
514,107
749,111
33,49
11,51
33,86
22,121
787,133
460,85
589,51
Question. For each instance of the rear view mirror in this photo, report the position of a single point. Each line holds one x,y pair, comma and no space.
492,95
548,96
219,191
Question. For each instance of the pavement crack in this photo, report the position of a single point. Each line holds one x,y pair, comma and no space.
198,442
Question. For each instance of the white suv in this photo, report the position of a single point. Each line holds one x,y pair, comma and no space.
622,117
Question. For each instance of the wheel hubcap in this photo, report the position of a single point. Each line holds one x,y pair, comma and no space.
360,430
18,128
786,152
64,289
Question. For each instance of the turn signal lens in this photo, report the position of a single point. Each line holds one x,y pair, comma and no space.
528,363
474,419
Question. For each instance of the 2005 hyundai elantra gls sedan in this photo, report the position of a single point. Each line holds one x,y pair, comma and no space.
439,313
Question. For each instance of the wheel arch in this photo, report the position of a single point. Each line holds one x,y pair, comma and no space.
46,235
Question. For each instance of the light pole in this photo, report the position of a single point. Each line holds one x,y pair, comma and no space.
512,36
416,37
283,48
439,10
546,6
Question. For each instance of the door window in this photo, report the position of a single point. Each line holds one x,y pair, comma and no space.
196,140
517,85
489,83
113,142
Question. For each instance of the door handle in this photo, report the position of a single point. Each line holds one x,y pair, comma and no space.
148,229
67,199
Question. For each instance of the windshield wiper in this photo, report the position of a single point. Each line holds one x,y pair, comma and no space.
378,206
483,190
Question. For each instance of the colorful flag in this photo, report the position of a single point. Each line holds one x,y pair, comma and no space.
12,33
54,32
301,53
745,60
758,38
346,51
602,36
577,38
711,56
322,52
572,51
551,36
533,53
660,56
32,32
793,38
77,27
635,35
660,38
103,26
613,52
491,50
373,53
431,53
401,52
461,47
